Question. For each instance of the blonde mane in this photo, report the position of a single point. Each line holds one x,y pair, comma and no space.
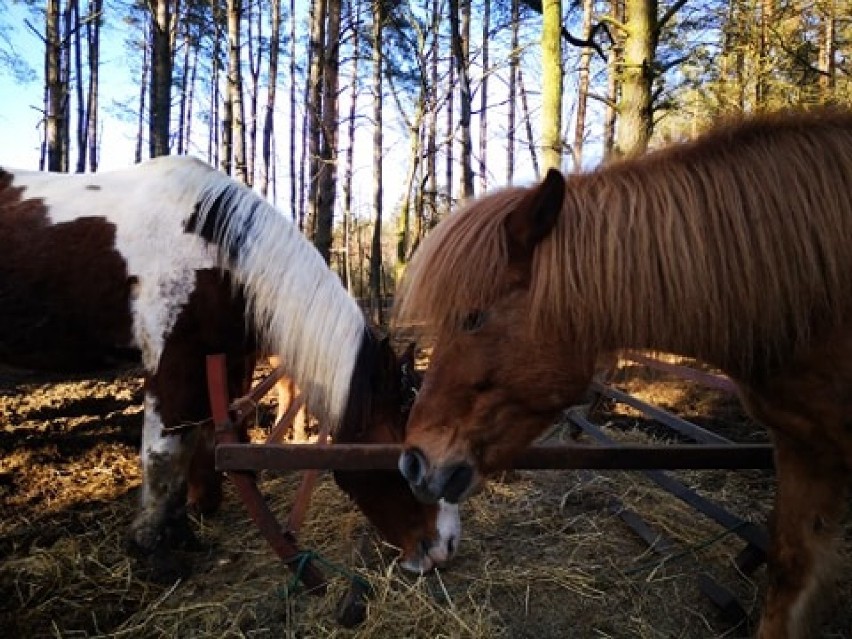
735,248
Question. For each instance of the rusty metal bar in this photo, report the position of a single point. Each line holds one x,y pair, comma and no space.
674,422
709,380
283,543
544,457
752,533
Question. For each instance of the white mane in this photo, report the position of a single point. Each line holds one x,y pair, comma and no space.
298,304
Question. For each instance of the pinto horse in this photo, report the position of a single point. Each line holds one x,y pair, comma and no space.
170,261
734,248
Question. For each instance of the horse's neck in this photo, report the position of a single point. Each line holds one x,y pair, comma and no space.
630,275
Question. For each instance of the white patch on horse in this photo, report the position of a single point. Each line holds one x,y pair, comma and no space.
148,205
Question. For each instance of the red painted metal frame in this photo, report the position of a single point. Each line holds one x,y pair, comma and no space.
282,542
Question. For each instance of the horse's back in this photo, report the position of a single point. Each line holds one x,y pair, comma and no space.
80,253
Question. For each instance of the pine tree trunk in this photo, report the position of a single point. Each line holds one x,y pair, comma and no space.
235,91
143,92
82,130
583,88
254,53
314,109
295,199
350,148
514,65
161,78
432,135
93,37
613,85
327,178
268,120
551,99
483,97
460,42
184,95
376,246
53,87
635,111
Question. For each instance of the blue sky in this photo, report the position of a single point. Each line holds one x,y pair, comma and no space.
23,103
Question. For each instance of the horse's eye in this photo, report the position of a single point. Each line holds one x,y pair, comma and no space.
473,321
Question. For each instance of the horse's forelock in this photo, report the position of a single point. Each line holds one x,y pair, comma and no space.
457,268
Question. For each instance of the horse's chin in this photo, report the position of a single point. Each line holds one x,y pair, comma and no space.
444,548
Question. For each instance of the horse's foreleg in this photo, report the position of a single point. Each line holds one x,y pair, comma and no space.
161,522
809,507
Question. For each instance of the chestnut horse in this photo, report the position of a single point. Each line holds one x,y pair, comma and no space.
170,261
735,248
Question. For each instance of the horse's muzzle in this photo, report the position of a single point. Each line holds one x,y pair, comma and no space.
451,483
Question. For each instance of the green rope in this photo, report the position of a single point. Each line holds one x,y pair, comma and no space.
304,557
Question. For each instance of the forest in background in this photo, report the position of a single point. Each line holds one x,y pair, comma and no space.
441,99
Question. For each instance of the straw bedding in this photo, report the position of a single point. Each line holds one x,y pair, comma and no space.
542,553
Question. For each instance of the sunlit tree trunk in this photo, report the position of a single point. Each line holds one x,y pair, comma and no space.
613,83
319,10
431,200
376,245
355,19
583,88
235,91
272,82
75,35
514,65
551,98
93,39
483,97
253,22
161,78
635,109
295,199
144,87
182,139
460,42
55,89
327,178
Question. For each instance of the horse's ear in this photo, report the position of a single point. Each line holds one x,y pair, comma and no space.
534,217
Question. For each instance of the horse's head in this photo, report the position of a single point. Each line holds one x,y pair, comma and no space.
493,384
426,534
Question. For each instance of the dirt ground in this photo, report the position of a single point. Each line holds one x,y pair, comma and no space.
541,555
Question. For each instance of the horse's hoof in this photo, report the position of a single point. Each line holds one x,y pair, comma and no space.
158,566
352,609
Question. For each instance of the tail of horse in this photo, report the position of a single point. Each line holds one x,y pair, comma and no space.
296,302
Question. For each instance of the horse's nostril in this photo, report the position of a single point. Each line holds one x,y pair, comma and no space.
458,482
412,465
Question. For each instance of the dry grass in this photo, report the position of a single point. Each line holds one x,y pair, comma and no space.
541,556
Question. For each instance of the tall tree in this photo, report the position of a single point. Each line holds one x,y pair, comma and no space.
460,43
162,69
376,310
327,177
483,96
271,85
551,99
313,105
56,91
235,91
583,86
514,68
93,40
